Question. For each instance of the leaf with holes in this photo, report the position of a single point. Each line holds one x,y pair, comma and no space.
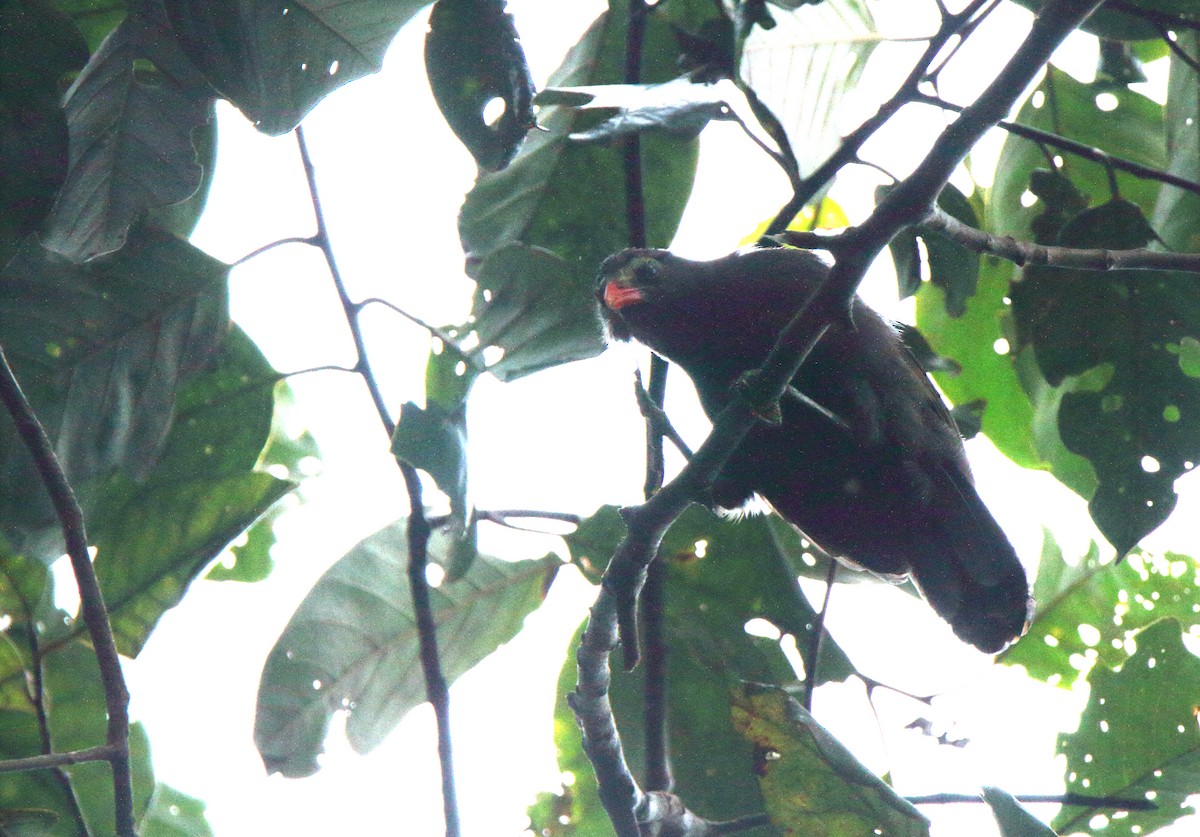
473,56
1138,736
352,645
1138,423
811,783
275,61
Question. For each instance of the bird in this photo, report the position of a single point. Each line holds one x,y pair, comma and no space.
866,462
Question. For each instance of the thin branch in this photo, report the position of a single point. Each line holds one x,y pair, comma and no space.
1026,252
440,333
814,641
258,251
1124,804
105,752
1180,52
848,151
656,418
436,690
1085,152
92,607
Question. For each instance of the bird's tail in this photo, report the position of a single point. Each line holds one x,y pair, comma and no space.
973,579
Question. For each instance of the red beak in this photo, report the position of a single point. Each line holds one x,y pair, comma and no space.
617,296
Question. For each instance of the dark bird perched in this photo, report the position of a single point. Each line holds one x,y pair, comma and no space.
867,461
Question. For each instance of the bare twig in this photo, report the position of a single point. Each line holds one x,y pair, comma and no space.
814,640
436,690
92,607
1085,152
1124,804
105,752
1026,252
258,251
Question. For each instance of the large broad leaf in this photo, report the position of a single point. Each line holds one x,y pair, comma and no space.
101,351
1138,736
39,45
154,537
565,197
131,140
474,61
1088,613
810,782
720,574
1124,23
352,646
1139,423
276,61
803,68
1021,410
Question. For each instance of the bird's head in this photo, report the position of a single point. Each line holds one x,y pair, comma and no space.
629,281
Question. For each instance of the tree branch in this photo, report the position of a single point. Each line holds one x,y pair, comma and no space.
92,607
1026,252
436,690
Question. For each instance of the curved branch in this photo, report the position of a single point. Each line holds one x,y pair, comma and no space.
92,607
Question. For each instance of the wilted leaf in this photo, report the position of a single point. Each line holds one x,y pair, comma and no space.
352,646
811,783
680,106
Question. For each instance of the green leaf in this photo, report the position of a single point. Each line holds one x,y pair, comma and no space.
275,63
528,304
473,56
1138,736
173,814
94,18
1011,816
1176,216
1089,612
1125,25
811,783
78,720
565,197
101,351
435,440
131,145
35,793
1138,423
803,68
155,537
720,575
39,46
352,645
680,107
952,267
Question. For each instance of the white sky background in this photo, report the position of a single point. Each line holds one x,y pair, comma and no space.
392,177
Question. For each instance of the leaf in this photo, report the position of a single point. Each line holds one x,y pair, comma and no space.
563,197
680,107
174,814
352,646
803,68
1088,613
77,720
1138,736
473,56
35,790
952,267
155,537
811,783
131,143
101,351
1011,816
1138,423
275,62
528,304
435,441
39,46
1124,25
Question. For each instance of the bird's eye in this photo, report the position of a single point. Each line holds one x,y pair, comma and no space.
646,271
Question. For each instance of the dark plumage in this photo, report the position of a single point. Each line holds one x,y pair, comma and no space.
885,483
